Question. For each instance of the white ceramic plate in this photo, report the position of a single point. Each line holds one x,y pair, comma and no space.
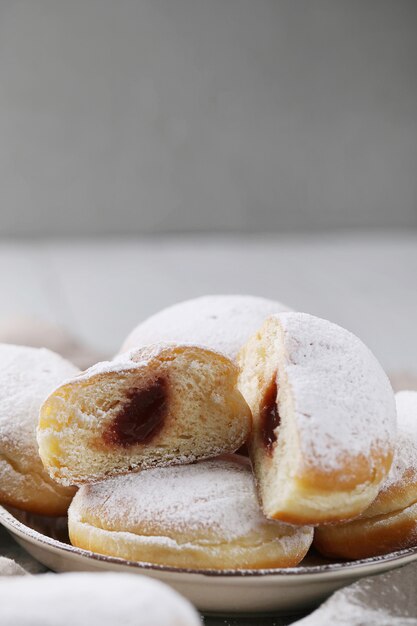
231,591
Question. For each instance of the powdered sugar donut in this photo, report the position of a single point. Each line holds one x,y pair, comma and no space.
390,523
204,515
324,419
222,323
102,599
27,376
155,406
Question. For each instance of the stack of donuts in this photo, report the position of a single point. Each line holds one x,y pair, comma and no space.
229,432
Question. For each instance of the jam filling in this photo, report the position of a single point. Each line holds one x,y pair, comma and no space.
141,417
269,416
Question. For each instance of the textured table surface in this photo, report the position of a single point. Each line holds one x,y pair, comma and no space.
101,289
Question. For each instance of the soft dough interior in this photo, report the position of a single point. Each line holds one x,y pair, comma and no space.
275,464
287,490
201,414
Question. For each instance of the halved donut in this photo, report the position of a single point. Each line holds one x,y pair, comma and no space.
160,405
324,419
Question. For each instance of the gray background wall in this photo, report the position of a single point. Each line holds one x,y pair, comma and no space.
183,115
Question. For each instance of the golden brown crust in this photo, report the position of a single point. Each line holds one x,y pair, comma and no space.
367,537
337,489
353,471
203,516
395,496
229,555
32,490
27,375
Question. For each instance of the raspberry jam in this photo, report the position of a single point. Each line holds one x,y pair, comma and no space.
268,416
141,416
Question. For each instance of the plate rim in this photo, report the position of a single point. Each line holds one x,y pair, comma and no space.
11,523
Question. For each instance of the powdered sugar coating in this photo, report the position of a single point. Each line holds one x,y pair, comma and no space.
120,363
101,599
407,413
134,358
385,600
211,500
404,465
344,404
27,376
222,323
